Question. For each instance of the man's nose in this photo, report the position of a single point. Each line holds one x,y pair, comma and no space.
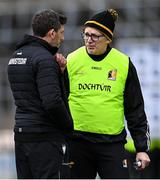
90,39
62,38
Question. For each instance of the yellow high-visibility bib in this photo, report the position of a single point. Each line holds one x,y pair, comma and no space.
96,91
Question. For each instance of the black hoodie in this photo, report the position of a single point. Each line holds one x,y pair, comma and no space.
37,87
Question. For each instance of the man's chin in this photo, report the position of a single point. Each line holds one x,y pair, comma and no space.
91,51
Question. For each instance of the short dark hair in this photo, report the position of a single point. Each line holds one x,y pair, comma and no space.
45,20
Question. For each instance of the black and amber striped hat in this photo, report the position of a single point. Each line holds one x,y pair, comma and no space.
104,22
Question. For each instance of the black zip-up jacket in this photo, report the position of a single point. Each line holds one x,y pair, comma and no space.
36,83
133,111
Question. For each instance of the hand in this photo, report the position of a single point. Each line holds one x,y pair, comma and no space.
144,159
61,61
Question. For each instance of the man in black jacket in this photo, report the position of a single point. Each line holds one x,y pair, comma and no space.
42,120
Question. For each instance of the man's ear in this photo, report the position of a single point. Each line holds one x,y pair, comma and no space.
108,41
52,33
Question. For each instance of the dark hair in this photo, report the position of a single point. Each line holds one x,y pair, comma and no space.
45,20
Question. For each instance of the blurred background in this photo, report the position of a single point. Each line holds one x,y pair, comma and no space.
137,33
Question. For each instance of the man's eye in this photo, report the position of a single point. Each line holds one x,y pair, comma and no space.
87,35
94,36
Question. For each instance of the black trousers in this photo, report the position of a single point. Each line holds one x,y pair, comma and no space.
107,159
41,160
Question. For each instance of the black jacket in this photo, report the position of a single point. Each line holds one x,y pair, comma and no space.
133,111
37,87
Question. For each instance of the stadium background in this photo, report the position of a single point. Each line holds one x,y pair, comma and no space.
137,34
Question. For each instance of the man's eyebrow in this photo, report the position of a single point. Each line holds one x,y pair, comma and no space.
93,34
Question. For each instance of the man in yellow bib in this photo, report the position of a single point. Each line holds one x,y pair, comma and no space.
103,89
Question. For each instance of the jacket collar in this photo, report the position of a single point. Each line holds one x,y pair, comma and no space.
36,41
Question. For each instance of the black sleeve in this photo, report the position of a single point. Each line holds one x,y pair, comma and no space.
134,111
49,84
66,82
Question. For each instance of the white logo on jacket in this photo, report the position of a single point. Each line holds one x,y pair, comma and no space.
17,61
